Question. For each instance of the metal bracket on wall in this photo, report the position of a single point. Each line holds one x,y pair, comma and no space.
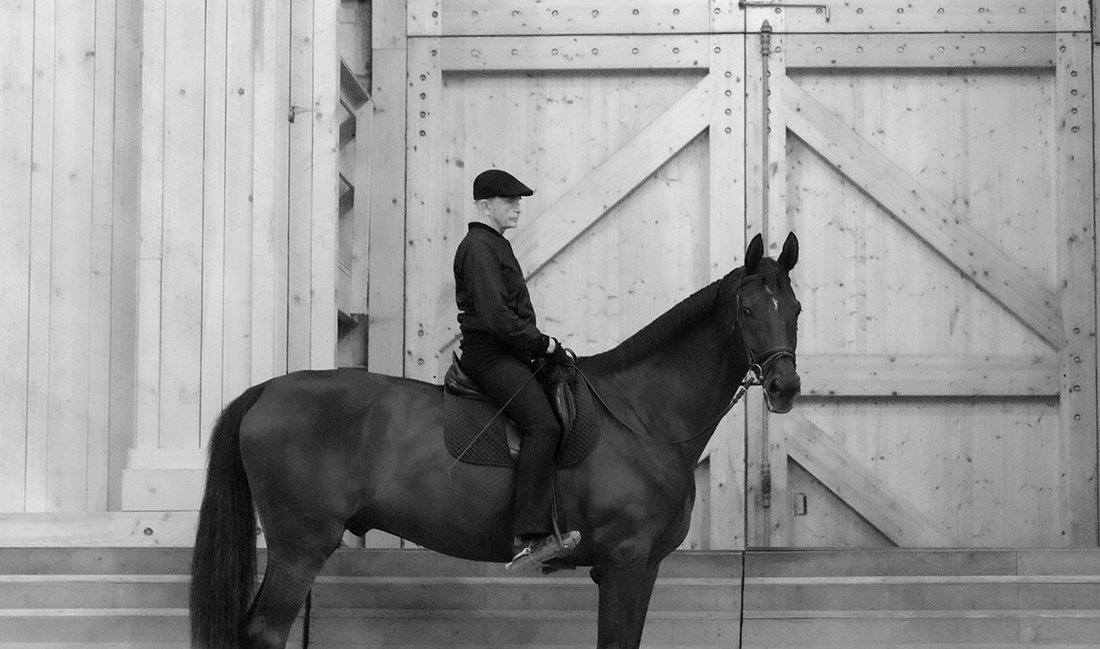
821,8
294,110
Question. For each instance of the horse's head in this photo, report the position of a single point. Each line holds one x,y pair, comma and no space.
765,317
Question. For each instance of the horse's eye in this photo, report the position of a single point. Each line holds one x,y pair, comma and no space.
746,312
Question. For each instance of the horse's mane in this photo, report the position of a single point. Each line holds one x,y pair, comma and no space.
657,334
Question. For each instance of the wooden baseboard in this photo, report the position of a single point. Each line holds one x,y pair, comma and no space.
151,529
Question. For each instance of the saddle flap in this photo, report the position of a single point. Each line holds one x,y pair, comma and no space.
459,383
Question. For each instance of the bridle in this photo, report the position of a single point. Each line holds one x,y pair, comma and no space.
760,363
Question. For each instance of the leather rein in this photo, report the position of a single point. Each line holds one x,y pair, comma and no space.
760,363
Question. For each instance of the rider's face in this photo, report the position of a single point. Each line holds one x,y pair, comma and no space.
503,212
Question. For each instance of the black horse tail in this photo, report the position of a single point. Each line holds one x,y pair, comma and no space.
223,566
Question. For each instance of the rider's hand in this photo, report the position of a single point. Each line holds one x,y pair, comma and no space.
557,354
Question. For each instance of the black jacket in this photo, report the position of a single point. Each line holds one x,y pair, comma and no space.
494,306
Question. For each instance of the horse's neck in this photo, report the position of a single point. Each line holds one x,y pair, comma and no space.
681,389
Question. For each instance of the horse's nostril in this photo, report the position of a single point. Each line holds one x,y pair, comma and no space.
778,385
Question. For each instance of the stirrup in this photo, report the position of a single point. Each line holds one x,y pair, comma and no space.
549,548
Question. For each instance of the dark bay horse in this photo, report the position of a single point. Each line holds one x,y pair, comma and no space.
314,453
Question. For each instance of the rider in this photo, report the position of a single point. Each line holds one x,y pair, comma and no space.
499,342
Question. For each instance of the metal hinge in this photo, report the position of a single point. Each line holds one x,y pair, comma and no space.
821,8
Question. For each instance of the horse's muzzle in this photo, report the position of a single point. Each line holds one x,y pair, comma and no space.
781,387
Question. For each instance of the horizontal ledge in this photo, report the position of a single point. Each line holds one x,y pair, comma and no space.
911,51
947,376
1008,613
554,53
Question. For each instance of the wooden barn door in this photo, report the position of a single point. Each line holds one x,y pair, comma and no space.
937,168
936,161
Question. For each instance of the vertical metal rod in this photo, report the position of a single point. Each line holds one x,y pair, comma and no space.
765,54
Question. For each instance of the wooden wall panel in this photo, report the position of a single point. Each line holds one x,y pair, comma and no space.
38,311
301,192
323,209
236,359
69,189
216,142
69,355
951,132
99,315
181,249
239,232
995,148
963,465
127,163
1076,253
16,120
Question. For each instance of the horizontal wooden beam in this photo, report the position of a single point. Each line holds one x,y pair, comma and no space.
915,51
912,17
479,17
513,53
930,376
928,216
828,461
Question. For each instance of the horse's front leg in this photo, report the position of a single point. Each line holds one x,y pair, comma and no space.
624,600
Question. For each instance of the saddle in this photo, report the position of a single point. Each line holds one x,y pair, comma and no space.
476,432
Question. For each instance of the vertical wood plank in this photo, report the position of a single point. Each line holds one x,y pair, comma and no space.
282,197
726,139
211,399
124,233
16,121
300,233
237,305
1076,228
325,100
269,192
425,17
386,144
38,344
151,207
99,313
66,483
181,278
264,186
424,255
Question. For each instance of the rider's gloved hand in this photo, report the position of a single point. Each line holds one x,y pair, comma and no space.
557,354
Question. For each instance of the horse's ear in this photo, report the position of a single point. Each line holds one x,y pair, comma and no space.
754,254
789,257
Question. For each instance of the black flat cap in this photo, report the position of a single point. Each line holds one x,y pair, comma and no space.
495,182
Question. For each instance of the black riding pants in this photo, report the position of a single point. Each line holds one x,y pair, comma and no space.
504,375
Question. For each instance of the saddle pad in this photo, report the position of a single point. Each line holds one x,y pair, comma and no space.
464,418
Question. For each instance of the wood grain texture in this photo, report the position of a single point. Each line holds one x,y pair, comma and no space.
1076,237
16,147
919,209
901,522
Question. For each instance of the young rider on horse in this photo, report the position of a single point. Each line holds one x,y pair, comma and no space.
499,342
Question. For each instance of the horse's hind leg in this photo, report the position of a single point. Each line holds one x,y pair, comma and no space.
287,579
